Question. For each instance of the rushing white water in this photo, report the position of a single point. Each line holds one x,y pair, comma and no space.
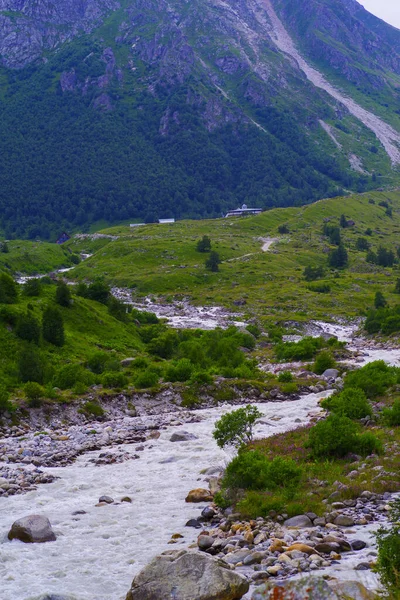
97,554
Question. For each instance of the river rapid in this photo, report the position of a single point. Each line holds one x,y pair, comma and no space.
99,551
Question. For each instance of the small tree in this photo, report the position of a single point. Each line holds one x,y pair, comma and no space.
397,287
213,261
4,247
283,229
343,221
379,301
32,288
34,392
8,289
388,564
28,328
236,428
204,245
53,326
5,404
30,364
362,244
338,258
63,294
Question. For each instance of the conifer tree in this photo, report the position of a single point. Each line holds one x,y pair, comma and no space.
53,326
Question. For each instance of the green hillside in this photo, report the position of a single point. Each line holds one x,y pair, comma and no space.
162,259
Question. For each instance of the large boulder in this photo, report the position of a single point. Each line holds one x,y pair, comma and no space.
182,436
299,521
33,529
186,575
199,495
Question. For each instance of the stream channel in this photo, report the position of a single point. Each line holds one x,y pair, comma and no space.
98,553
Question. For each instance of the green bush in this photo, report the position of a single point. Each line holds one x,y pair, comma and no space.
236,427
92,408
320,288
392,415
164,345
374,379
254,330
252,470
139,363
367,443
34,392
201,377
63,294
30,364
290,388
312,273
388,563
68,375
53,326
285,377
117,309
305,349
351,403
144,317
99,362
113,379
332,437
146,379
180,371
323,361
28,328
32,288
5,404
8,289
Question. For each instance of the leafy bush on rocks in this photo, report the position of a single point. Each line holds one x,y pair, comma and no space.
392,415
323,361
285,377
351,403
34,393
254,471
146,379
114,379
374,379
337,436
180,371
388,564
305,349
5,404
68,375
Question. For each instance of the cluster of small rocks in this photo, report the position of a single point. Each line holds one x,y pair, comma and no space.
282,547
19,480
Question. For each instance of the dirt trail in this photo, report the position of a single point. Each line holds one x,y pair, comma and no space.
387,135
268,243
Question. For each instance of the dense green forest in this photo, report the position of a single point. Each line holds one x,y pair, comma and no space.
65,165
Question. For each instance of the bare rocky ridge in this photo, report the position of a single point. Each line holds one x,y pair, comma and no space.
389,138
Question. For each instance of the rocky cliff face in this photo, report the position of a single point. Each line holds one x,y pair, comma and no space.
29,28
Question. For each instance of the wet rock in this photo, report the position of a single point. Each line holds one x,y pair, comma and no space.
106,499
182,436
190,575
358,545
208,513
330,374
126,499
327,547
199,495
193,523
299,521
33,529
205,542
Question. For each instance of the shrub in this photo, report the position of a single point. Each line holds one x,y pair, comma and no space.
117,309
204,245
236,427
254,330
312,273
305,349
143,316
68,375
392,415
374,379
63,294
98,291
8,289
92,408
53,326
164,345
146,379
323,361
289,388
283,229
321,288
32,288
362,244
139,363
285,377
28,328
97,362
213,261
113,379
34,392
30,364
180,371
252,470
379,300
332,437
201,377
388,563
5,404
351,403
367,443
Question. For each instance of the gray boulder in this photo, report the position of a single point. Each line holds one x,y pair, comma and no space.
299,521
182,436
33,529
186,575
312,588
330,374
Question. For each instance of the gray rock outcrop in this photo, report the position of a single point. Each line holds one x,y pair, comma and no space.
33,529
186,575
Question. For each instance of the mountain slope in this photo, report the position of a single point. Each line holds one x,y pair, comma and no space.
150,109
